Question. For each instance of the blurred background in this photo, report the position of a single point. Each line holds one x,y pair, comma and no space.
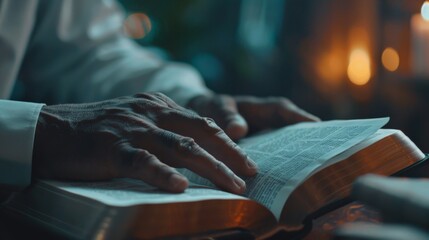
337,59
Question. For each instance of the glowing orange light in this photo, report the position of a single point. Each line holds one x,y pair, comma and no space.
330,67
390,59
359,69
137,25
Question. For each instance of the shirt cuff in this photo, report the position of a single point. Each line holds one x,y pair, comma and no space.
18,122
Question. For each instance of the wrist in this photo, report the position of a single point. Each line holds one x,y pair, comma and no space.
43,139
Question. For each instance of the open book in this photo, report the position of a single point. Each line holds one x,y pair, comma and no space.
302,168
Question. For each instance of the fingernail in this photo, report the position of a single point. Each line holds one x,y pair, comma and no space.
240,185
178,182
251,164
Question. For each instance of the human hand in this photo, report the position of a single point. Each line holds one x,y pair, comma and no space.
238,116
143,137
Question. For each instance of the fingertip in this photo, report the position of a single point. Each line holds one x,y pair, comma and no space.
252,167
239,185
315,118
310,116
178,183
236,128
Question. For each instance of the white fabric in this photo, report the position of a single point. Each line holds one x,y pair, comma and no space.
66,51
17,124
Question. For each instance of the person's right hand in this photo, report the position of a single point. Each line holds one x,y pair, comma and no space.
143,137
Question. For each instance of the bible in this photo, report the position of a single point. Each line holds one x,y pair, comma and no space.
302,169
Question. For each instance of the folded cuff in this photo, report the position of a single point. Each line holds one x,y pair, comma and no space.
18,121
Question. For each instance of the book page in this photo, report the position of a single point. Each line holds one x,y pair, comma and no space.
377,136
286,157
128,192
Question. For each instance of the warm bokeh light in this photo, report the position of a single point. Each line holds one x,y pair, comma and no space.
331,68
137,25
359,69
390,59
425,10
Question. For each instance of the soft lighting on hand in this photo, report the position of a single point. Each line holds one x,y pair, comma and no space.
425,10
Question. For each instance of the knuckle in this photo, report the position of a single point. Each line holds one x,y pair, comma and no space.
210,125
187,145
158,98
148,99
119,99
160,95
221,168
141,95
222,135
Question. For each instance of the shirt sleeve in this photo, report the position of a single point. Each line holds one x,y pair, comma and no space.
79,54
18,122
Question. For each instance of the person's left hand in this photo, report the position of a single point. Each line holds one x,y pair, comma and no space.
238,116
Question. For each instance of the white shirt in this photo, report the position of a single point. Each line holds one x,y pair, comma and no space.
70,51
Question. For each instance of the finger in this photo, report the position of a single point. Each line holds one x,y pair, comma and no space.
236,126
155,99
160,105
293,114
180,151
168,100
226,114
265,113
160,97
213,139
223,110
140,164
